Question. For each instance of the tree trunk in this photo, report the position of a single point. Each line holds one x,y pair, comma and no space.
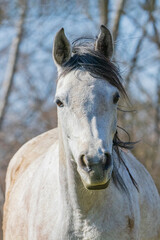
103,5
157,122
118,18
11,66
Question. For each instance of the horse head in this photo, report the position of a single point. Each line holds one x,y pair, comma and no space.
87,94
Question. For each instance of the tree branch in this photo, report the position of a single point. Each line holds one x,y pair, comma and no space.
135,58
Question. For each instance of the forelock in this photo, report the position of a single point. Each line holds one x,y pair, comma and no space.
85,57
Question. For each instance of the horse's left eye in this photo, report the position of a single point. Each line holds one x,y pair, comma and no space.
116,98
59,103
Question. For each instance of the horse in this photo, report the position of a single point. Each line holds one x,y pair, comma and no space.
80,181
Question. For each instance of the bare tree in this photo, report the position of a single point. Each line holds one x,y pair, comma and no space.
10,70
157,120
134,59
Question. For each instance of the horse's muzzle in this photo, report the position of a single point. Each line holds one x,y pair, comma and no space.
90,164
97,171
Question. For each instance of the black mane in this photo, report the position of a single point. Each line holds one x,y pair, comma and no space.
85,57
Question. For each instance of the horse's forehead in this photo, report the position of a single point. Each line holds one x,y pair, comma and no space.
81,82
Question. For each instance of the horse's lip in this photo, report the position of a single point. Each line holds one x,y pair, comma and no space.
98,187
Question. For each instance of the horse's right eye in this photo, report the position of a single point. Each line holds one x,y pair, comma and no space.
59,103
116,97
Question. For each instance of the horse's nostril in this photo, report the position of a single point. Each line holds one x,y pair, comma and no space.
89,163
83,161
108,160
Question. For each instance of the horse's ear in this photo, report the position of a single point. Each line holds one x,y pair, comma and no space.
104,43
61,48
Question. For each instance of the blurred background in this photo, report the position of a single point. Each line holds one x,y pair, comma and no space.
28,75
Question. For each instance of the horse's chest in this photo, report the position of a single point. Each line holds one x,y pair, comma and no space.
99,228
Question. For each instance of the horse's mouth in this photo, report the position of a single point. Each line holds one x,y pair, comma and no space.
98,187
97,178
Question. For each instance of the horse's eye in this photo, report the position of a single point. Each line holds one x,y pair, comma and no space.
59,103
116,98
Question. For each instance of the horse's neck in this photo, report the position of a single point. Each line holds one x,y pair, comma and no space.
75,197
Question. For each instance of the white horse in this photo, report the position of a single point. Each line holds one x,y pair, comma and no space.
79,181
